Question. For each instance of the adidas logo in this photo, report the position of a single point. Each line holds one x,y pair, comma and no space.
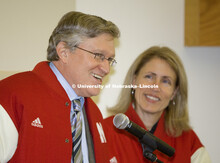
37,123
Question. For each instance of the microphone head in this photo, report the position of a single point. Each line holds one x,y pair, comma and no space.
121,121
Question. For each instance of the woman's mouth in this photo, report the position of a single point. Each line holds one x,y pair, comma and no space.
153,98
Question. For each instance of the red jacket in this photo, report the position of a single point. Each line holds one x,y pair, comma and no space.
38,96
127,149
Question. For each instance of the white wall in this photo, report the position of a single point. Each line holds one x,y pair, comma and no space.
144,23
27,25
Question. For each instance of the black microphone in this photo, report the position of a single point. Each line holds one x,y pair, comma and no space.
121,121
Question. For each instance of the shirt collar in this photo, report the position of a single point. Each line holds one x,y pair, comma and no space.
68,89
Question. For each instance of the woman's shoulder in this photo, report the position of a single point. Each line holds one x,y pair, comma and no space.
109,119
110,129
189,134
108,123
189,139
198,151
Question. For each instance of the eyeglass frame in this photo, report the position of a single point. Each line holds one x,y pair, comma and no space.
112,61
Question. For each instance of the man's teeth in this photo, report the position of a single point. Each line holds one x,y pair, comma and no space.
97,76
152,98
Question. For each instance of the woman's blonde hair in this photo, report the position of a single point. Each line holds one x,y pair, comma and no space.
176,116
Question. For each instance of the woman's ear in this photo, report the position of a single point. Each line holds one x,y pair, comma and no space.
134,80
174,93
62,51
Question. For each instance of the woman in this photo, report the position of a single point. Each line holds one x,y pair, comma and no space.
162,110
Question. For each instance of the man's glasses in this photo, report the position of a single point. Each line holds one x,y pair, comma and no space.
100,57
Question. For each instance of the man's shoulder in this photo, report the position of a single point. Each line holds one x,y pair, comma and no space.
17,80
23,79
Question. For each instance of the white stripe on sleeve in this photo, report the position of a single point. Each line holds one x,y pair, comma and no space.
8,136
200,156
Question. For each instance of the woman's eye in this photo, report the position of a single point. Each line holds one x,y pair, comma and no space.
148,76
167,81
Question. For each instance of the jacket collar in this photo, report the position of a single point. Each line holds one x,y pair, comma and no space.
133,116
44,72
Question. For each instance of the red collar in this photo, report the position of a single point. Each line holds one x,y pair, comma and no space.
133,116
44,72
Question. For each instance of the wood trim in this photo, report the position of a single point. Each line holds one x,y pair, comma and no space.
202,23
191,22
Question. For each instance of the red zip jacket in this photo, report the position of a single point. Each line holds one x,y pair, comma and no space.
125,148
39,109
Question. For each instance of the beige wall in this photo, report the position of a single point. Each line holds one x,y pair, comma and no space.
25,29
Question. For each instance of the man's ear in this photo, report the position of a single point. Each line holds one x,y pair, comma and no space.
174,93
62,51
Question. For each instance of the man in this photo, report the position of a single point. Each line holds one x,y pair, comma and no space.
45,116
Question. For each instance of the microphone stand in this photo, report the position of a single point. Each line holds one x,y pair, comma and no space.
149,146
147,152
